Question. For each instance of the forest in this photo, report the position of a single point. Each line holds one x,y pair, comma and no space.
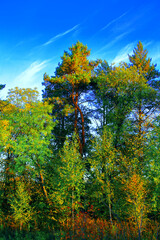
83,162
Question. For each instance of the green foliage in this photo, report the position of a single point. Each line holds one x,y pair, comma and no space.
52,179
27,131
71,177
20,204
71,78
152,168
103,164
22,96
142,63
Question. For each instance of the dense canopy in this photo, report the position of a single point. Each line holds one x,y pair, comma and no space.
84,162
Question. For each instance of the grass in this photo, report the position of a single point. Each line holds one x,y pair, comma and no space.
85,228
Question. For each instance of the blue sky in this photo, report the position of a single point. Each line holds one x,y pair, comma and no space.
35,33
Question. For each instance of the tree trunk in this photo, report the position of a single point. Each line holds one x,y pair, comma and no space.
110,213
81,145
43,186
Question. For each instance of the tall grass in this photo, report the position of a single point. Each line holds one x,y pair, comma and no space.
86,227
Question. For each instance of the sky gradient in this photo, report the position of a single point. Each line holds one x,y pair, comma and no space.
34,35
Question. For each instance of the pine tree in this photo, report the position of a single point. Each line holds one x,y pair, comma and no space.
142,63
71,77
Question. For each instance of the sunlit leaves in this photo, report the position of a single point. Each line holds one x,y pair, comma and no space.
71,171
121,80
136,192
20,205
103,167
118,179
152,168
72,75
142,63
26,130
21,96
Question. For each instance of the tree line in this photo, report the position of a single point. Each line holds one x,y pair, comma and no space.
89,152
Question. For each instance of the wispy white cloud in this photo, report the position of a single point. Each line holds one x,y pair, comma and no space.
123,53
28,76
156,58
114,20
115,40
154,53
146,44
128,50
31,77
53,39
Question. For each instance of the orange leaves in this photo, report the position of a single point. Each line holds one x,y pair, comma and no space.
75,67
135,188
142,63
4,124
86,227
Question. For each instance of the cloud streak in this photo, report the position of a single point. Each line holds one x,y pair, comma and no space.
31,77
156,55
113,21
53,39
115,40
27,77
123,53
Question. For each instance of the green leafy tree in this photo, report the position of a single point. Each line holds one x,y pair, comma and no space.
152,168
19,97
20,205
101,103
28,126
117,87
103,170
146,99
71,177
125,93
135,187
